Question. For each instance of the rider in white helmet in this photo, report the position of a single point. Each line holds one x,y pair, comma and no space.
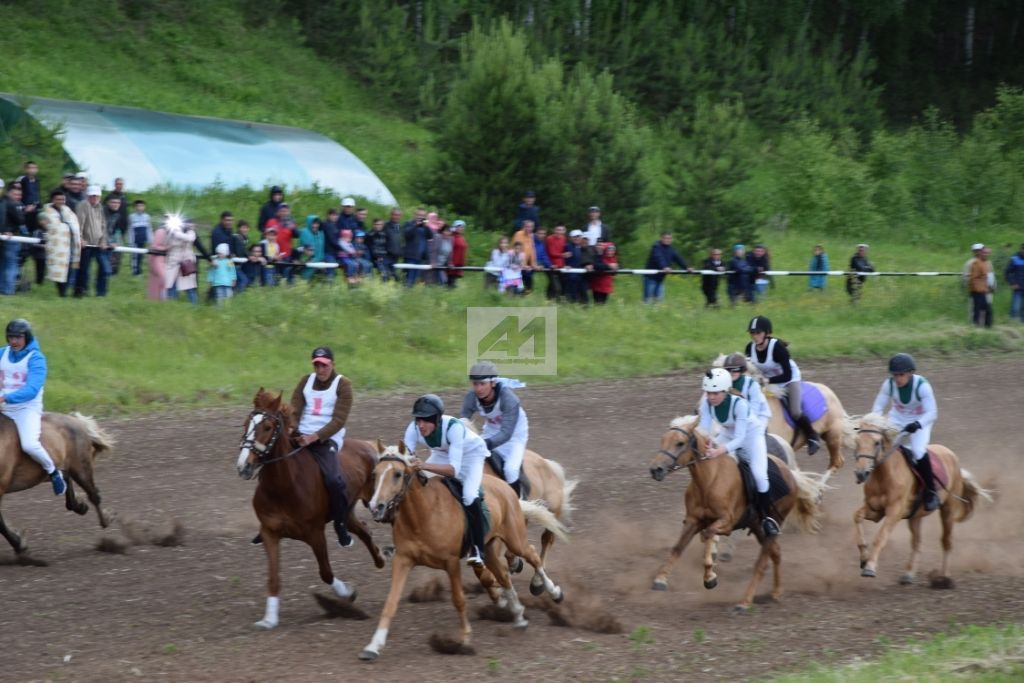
741,434
506,428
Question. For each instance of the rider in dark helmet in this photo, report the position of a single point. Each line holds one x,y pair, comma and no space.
912,408
455,452
771,357
22,376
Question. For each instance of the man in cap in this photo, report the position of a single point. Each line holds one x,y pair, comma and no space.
528,210
859,263
595,230
348,219
95,243
575,285
981,283
460,249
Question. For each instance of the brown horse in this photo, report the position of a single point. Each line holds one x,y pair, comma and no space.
891,489
834,426
715,503
291,499
73,441
428,527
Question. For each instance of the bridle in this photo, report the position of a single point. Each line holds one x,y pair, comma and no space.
263,449
690,445
876,459
396,500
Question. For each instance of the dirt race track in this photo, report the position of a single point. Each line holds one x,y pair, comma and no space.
185,612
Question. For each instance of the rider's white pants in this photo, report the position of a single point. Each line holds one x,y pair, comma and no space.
29,421
755,453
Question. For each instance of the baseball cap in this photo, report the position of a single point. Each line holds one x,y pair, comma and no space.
529,193
348,201
322,354
81,175
94,191
576,233
976,246
271,229
458,224
862,246
595,208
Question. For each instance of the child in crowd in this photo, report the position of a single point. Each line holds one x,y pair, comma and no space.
141,228
222,274
255,268
362,253
512,273
347,256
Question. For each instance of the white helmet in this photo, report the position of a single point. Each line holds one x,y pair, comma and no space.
717,379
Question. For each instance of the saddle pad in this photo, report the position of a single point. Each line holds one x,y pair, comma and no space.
777,488
455,487
938,469
812,400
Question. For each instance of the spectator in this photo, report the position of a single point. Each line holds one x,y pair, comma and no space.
95,246
431,276
393,229
524,236
269,210
460,249
222,231
602,282
115,236
221,274
819,263
859,263
596,231
1015,277
377,247
362,254
981,283
361,214
709,283
660,258
118,227
416,234
79,185
141,227
332,231
274,260
256,268
540,250
759,267
285,231
555,247
528,211
347,256
156,288
68,186
497,263
738,282
575,285
240,250
512,273
32,198
347,219
433,222
311,241
12,224
63,241
443,255
182,268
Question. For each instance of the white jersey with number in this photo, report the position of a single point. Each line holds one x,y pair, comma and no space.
319,409
13,376
770,367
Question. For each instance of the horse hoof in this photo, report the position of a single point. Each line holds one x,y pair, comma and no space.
387,552
741,609
863,563
521,624
536,589
265,625
906,579
368,655
868,573
711,584
659,585
725,557
517,566
558,595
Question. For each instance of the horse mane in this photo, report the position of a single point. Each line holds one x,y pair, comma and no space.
393,452
879,422
684,421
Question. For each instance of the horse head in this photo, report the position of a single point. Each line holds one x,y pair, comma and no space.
264,426
391,478
680,446
874,435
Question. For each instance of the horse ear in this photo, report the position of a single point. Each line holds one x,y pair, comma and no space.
380,446
277,401
401,448
256,398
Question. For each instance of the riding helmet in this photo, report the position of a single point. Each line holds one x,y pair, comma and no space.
902,362
735,362
20,326
428,406
717,379
482,370
759,323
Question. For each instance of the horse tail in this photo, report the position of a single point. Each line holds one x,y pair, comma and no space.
972,491
100,438
537,512
568,486
810,487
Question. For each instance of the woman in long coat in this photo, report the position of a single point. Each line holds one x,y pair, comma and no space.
156,288
63,242
181,236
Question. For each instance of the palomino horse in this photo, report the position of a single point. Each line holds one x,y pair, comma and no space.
73,441
891,490
715,503
834,425
547,483
291,499
428,528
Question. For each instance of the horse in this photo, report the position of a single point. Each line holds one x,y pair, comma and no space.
428,528
548,484
834,425
73,441
891,490
291,499
715,503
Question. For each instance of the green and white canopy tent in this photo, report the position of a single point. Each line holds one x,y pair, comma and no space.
150,148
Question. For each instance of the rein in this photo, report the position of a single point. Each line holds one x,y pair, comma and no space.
691,442
261,449
876,460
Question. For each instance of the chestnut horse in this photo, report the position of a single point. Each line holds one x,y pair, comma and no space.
891,490
291,499
73,441
716,502
834,426
428,529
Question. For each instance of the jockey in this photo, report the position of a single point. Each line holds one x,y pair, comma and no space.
912,409
455,452
22,376
506,428
771,357
747,387
742,434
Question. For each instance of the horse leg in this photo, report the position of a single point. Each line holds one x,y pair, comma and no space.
661,578
83,476
16,540
547,539
318,543
858,525
509,598
891,519
725,546
775,552
459,598
915,549
359,528
401,565
834,442
710,578
755,580
71,501
486,579
272,546
946,515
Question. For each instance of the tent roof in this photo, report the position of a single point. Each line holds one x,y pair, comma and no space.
149,148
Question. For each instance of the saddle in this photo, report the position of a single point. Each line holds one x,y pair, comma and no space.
939,474
455,487
498,467
777,489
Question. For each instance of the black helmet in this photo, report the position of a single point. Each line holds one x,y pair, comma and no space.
20,326
482,370
759,323
428,406
735,361
902,362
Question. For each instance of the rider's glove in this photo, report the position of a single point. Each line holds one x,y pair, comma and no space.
912,427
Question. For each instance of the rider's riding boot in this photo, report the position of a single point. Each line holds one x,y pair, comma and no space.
344,540
475,517
931,496
517,487
59,485
257,539
524,485
764,508
813,440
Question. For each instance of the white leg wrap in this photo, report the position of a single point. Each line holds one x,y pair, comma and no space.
341,589
270,617
380,637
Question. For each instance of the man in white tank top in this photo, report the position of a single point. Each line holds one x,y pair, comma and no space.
22,376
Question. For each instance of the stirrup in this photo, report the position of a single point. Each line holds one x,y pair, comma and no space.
475,558
57,480
931,501
344,538
770,526
813,445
